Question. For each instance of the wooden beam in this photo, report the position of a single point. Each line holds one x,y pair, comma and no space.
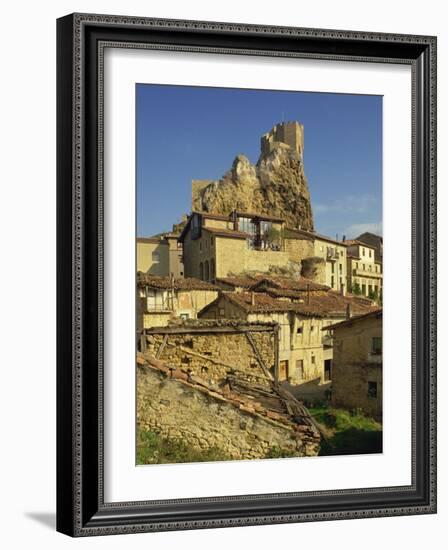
258,355
209,330
162,347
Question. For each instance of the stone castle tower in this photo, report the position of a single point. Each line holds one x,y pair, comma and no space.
275,186
290,133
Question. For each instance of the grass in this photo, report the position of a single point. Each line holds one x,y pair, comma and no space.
347,432
155,449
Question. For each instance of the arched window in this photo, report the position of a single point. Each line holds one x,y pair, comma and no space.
212,269
206,271
201,271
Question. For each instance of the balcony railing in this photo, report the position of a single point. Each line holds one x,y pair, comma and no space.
265,245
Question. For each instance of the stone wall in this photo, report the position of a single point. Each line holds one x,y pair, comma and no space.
205,420
297,249
213,356
350,388
354,366
233,257
314,268
145,260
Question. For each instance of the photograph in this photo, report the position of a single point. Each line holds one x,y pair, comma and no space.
259,274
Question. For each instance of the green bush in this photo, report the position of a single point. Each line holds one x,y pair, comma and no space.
347,431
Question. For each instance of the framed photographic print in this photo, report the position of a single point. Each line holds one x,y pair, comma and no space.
246,274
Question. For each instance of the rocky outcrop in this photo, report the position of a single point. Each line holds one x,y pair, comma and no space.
275,186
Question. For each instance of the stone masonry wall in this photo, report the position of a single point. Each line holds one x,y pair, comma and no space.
179,412
214,356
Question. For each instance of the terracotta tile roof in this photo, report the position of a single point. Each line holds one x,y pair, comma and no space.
376,314
295,234
288,283
269,400
154,240
244,282
280,283
187,283
318,236
321,305
226,233
352,242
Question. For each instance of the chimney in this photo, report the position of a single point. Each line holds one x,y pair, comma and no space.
348,311
252,298
308,293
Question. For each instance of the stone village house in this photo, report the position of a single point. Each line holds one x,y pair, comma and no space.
357,363
218,246
302,310
160,255
328,259
161,299
363,270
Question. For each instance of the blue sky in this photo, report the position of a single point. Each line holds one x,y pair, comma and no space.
186,133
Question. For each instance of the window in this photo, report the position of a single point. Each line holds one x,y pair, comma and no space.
332,267
200,247
340,268
184,317
156,257
246,226
201,271
341,253
211,241
332,282
313,359
312,328
299,330
372,389
363,251
206,271
212,269
221,312
370,253
377,345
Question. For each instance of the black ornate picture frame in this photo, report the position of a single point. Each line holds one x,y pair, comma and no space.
81,509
